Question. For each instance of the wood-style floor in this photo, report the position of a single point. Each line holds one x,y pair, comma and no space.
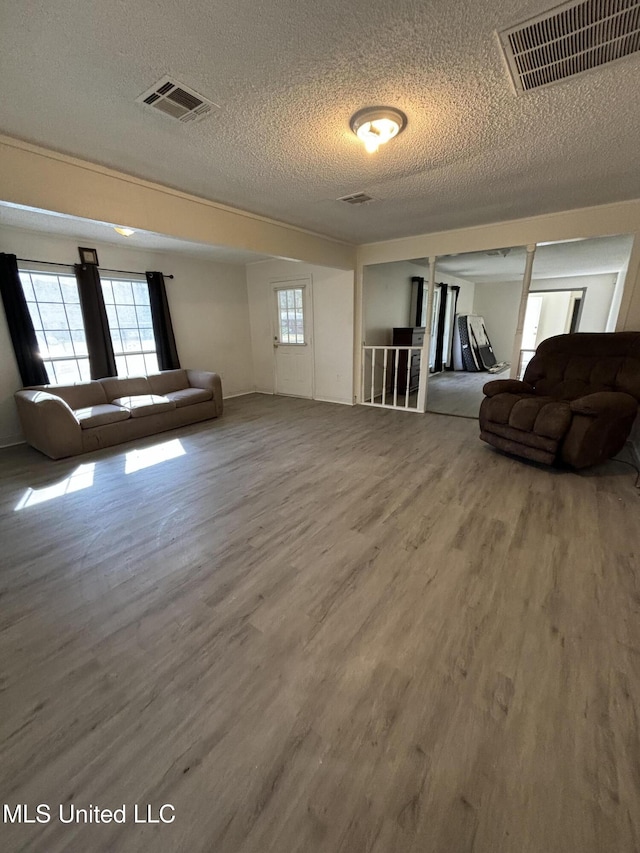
320,629
457,392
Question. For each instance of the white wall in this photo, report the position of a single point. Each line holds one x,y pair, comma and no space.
498,303
333,307
387,299
208,302
553,315
597,299
466,295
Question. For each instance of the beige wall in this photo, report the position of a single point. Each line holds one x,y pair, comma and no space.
37,177
387,297
333,322
208,302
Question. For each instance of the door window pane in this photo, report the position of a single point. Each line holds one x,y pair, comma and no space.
290,316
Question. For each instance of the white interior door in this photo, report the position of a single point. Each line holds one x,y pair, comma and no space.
292,343
531,322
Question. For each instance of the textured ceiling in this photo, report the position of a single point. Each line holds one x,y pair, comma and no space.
288,74
102,232
556,260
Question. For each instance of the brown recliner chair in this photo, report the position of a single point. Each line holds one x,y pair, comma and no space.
576,404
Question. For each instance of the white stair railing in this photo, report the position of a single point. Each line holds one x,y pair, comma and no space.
389,378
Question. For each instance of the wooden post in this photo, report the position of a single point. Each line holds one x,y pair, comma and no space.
526,284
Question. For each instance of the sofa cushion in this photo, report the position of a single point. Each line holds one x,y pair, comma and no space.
127,386
94,416
141,405
187,396
168,381
79,394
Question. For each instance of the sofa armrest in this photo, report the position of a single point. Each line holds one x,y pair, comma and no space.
209,381
608,403
49,424
507,386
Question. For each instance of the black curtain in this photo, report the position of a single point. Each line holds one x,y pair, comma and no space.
442,319
456,292
96,325
23,336
161,319
418,283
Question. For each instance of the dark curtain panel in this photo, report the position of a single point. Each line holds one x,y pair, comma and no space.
23,336
96,325
442,319
418,283
456,292
162,327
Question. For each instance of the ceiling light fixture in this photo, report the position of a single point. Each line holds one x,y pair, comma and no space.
377,125
126,232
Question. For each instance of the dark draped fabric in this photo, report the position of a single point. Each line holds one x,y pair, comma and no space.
418,283
442,321
23,336
161,319
96,325
456,292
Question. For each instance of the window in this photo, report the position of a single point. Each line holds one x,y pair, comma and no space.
290,316
54,306
129,314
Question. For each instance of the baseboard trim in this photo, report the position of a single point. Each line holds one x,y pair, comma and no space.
329,400
12,443
239,394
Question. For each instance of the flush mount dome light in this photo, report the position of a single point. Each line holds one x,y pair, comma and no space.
377,125
126,232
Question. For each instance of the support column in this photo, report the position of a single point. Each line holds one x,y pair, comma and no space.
426,345
526,284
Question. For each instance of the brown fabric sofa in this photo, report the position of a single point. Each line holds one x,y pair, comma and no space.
64,420
576,404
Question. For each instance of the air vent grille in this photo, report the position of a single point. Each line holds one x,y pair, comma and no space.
356,198
571,39
176,100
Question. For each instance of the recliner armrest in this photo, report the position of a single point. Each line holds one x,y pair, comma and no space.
507,386
610,403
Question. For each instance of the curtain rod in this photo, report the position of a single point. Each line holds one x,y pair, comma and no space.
106,269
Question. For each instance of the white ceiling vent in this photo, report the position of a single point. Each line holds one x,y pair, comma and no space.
356,198
177,101
572,38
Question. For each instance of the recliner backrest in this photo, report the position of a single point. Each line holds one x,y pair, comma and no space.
569,366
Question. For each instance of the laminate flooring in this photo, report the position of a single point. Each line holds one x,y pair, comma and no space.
311,627
457,392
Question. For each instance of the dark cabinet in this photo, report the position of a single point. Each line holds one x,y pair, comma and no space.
407,336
